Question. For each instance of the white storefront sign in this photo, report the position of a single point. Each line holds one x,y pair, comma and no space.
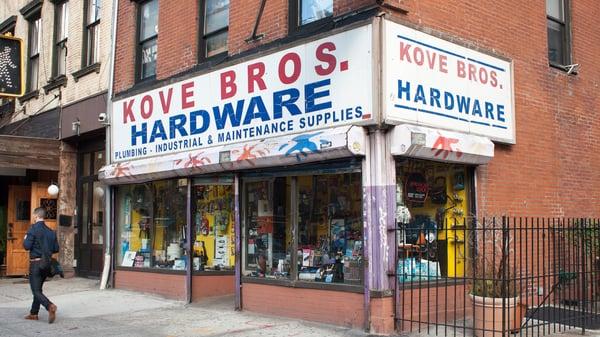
433,82
321,84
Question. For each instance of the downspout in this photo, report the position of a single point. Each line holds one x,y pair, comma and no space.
108,257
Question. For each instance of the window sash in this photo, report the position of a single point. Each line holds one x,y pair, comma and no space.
213,31
34,53
323,9
147,25
148,50
93,43
217,18
93,14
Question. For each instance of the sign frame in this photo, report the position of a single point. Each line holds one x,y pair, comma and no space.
21,65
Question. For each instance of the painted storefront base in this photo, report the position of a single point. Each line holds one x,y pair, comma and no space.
173,285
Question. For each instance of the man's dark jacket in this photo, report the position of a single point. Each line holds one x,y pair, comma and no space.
39,231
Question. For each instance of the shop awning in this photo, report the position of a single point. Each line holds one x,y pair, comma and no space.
29,153
277,151
440,145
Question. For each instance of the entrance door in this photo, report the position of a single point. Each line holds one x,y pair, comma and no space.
41,198
19,213
90,215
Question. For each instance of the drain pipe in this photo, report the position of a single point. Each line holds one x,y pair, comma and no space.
108,199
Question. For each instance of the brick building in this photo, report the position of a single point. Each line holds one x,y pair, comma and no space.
52,133
289,137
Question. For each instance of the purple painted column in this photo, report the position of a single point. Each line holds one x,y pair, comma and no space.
379,200
238,243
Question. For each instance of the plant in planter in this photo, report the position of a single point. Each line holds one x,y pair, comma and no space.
494,292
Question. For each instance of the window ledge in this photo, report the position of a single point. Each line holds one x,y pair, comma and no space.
305,284
55,82
29,95
151,270
86,70
562,68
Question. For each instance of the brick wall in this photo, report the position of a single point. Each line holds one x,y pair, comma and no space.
167,285
212,285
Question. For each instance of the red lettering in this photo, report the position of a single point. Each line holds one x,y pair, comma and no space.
228,86
493,79
187,91
255,73
166,104
418,56
460,69
404,52
431,59
472,73
283,77
483,76
444,64
329,59
146,109
128,112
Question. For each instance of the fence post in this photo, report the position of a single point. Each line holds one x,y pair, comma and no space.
582,225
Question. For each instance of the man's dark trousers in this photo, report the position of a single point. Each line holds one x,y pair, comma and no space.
37,277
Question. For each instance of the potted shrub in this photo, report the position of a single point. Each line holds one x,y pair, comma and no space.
494,293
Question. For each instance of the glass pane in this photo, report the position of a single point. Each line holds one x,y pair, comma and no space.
555,9
330,229
62,21
268,229
216,44
33,73
86,164
313,10
99,161
35,32
93,11
556,38
92,44
214,238
83,231
149,20
98,214
151,225
148,59
61,61
217,15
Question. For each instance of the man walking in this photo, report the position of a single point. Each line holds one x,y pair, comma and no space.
39,241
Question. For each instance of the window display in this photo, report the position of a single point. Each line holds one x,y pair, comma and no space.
151,225
431,213
214,239
328,226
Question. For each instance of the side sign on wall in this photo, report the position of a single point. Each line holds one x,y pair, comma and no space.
316,85
11,66
433,82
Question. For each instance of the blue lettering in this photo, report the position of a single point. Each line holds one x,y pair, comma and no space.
434,97
158,131
194,129
177,123
404,89
477,108
358,112
448,100
279,103
311,95
420,95
464,104
143,133
234,118
500,109
489,110
256,103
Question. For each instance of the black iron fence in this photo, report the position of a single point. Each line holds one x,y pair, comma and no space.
498,276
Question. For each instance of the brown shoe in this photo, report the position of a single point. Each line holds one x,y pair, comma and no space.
32,317
51,313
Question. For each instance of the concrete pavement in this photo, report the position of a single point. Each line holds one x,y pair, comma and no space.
84,310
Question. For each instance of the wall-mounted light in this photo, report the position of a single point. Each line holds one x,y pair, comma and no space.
99,191
75,126
53,190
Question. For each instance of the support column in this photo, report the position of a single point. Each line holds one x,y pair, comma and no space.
379,200
67,181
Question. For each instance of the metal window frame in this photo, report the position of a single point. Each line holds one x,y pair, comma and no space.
202,37
31,20
58,44
294,22
88,26
139,43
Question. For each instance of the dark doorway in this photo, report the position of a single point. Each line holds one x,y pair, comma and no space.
90,205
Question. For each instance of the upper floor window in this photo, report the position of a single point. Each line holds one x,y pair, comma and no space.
147,39
92,27
61,26
33,52
215,28
558,32
305,12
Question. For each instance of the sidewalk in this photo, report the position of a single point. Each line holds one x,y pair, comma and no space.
84,310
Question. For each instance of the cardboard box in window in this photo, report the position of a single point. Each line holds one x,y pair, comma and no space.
265,224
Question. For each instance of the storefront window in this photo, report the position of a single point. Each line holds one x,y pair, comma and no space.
151,224
327,229
214,238
431,212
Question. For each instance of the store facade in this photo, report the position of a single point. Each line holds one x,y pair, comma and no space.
282,178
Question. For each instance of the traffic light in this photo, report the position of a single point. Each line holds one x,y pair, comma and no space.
12,82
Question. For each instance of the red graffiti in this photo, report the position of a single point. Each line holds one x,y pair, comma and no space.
122,170
194,161
443,145
248,153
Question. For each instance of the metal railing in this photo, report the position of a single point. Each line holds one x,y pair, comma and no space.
498,276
